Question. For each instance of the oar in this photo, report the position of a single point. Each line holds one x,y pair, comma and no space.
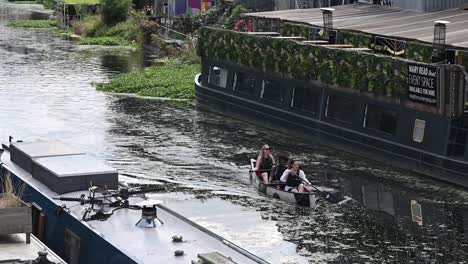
260,170
327,195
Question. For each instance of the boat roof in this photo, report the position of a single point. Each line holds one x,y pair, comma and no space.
13,248
45,148
383,20
148,244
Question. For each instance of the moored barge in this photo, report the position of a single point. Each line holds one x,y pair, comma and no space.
380,81
79,212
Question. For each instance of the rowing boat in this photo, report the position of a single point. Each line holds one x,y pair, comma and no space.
275,190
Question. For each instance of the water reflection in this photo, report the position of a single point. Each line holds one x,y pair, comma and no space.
441,237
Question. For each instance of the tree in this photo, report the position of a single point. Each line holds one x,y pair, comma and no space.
115,11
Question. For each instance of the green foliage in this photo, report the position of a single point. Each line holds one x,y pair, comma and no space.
358,40
419,52
124,33
23,1
290,29
33,24
121,29
234,15
46,3
105,41
205,18
378,74
82,2
88,27
115,11
172,81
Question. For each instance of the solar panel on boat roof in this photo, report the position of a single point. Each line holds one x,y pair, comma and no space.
74,165
45,148
73,173
22,153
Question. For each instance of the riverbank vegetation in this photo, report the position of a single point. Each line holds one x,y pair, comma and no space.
33,24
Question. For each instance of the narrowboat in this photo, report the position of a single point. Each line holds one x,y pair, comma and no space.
382,82
79,212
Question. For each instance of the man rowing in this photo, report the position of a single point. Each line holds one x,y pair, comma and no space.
294,178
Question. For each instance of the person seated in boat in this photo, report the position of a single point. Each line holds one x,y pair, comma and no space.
265,162
278,169
294,178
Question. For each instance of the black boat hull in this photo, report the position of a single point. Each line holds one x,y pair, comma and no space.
369,145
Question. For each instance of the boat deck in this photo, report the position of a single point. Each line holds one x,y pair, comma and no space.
13,248
144,245
384,21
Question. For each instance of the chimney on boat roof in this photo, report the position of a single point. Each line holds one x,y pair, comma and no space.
327,13
149,214
439,53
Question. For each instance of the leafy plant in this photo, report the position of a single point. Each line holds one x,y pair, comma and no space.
88,27
379,74
115,11
33,24
208,17
419,52
46,3
105,41
127,31
234,15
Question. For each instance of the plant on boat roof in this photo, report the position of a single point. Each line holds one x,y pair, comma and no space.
377,74
10,193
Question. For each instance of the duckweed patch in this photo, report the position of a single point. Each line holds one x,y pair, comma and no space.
33,24
106,41
173,81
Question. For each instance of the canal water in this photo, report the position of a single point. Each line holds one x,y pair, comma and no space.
200,160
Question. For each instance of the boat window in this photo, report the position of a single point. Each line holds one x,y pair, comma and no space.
418,131
305,99
218,76
244,83
339,108
271,91
380,118
71,247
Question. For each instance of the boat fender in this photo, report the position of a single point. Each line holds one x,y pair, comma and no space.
178,253
177,238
